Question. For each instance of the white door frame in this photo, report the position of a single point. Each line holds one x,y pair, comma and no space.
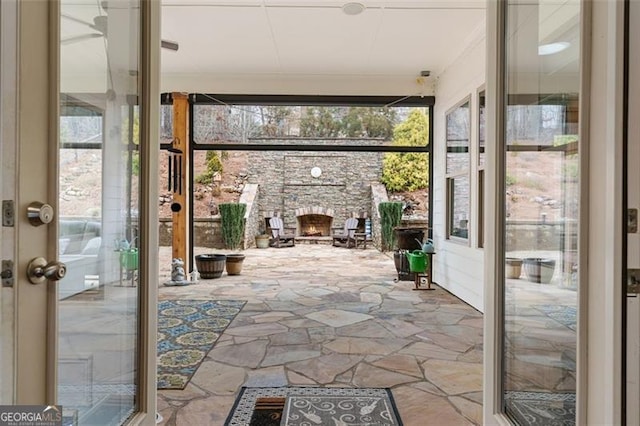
633,201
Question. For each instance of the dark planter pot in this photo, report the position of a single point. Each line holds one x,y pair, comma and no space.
234,263
539,270
402,266
409,238
210,265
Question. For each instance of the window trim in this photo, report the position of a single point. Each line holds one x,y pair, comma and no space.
462,172
450,182
480,172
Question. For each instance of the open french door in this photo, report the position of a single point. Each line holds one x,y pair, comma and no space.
83,283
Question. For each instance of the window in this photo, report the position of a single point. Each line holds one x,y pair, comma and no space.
458,195
457,167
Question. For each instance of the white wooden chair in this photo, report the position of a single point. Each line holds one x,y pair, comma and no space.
279,235
347,237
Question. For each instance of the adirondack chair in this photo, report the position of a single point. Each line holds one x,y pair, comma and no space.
279,234
347,237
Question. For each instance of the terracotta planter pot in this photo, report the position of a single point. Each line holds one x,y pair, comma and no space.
234,263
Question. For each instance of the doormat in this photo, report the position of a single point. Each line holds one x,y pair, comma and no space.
187,330
541,408
314,406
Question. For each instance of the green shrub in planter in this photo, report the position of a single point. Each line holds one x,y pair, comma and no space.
390,217
232,224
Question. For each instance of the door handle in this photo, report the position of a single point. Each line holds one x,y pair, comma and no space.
39,270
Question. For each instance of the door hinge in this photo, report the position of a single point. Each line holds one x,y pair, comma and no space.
8,213
7,273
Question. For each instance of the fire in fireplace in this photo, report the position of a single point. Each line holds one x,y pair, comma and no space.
314,225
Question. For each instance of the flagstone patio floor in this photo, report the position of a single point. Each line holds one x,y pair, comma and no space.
318,315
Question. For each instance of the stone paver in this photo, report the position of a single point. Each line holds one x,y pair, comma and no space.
348,324
338,317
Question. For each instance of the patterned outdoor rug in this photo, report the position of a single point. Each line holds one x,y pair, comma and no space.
564,314
187,330
541,408
314,406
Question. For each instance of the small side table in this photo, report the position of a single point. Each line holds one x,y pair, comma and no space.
360,237
427,275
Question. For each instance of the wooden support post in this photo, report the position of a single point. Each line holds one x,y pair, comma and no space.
179,159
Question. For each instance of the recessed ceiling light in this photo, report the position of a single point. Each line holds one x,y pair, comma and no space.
551,48
353,8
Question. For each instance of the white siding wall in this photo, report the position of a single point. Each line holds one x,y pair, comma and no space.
459,268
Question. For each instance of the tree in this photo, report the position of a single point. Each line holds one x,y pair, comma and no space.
408,171
275,120
320,122
369,122
214,165
352,122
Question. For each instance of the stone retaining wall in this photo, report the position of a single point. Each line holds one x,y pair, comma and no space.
208,232
344,182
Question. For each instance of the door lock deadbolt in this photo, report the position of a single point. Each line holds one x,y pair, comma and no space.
39,213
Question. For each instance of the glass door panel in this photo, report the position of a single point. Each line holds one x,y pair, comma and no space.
542,205
98,307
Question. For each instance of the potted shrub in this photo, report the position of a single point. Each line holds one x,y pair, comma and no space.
232,224
390,217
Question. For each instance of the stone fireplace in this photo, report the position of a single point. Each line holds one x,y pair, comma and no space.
326,186
314,221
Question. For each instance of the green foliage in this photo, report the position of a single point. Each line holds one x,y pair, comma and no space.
353,122
390,217
414,131
559,140
135,163
405,171
214,165
318,122
369,122
510,180
408,171
232,224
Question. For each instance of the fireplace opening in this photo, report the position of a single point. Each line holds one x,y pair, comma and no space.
314,225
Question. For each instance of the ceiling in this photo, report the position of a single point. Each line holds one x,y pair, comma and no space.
311,40
305,47
282,46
